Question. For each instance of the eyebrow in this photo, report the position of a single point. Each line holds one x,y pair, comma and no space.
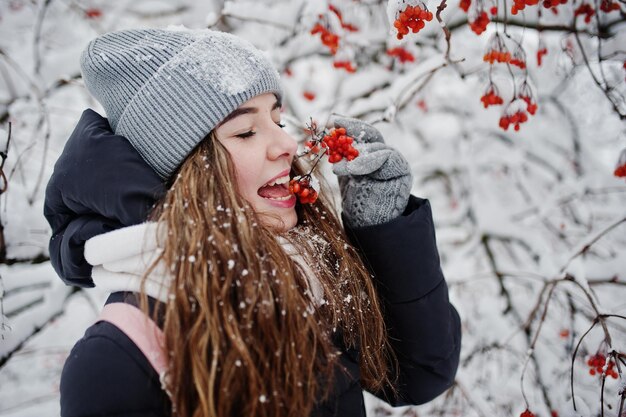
247,110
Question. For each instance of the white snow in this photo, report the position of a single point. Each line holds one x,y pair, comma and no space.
534,198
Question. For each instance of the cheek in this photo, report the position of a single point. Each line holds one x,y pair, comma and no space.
248,172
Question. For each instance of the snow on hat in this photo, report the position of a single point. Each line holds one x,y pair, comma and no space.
165,90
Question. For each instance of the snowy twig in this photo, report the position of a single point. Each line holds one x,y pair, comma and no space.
591,241
604,88
603,31
290,28
3,156
442,6
37,35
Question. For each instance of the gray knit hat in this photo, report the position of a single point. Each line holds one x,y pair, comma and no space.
165,90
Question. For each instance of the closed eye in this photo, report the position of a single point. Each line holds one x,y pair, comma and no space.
246,134
281,125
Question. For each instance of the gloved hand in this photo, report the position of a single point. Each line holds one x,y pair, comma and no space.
375,186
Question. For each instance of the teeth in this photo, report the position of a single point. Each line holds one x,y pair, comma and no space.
277,181
285,198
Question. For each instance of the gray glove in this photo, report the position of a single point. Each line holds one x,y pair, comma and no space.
376,185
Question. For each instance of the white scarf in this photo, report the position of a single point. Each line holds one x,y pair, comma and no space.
121,257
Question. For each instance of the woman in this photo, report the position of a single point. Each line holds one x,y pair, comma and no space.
265,308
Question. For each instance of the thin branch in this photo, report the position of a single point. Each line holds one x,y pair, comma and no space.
37,36
604,88
591,241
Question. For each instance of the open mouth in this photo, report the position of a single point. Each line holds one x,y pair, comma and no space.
276,189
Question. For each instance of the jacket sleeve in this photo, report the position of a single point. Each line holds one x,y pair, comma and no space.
424,328
99,183
107,375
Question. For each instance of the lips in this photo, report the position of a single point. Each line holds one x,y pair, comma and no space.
277,188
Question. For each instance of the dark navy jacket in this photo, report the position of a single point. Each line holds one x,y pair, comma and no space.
107,375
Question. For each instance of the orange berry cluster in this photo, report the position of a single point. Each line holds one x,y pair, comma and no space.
465,5
491,97
402,54
479,25
608,6
413,18
301,187
527,413
585,9
347,65
331,40
339,145
596,364
497,52
514,119
519,5
497,56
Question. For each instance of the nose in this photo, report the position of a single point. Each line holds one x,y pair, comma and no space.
282,145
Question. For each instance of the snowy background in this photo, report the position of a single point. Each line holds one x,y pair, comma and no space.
531,225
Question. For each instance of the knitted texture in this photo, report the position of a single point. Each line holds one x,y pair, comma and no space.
375,186
165,90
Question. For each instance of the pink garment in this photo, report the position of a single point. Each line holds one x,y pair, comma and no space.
141,330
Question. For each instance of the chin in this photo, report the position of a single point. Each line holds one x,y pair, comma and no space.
280,221
278,215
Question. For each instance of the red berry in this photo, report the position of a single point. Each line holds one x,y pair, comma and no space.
93,13
309,95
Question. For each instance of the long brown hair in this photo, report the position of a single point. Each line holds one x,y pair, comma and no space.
242,331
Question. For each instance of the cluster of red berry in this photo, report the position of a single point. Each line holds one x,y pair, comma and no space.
336,144
331,40
519,58
301,187
339,145
479,25
491,97
347,65
465,5
413,18
497,56
596,364
514,119
585,9
608,6
527,413
519,5
402,54
531,106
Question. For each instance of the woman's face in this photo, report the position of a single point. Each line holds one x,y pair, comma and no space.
262,153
